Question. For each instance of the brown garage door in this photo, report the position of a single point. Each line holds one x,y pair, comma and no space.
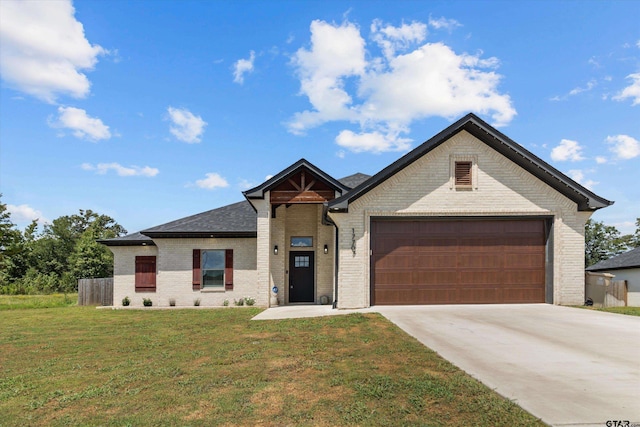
457,261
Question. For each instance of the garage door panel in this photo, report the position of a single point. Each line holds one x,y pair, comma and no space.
435,260
458,261
480,260
524,260
434,277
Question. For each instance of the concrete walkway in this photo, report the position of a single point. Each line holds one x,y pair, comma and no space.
301,311
567,366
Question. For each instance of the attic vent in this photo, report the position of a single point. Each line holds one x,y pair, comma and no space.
463,174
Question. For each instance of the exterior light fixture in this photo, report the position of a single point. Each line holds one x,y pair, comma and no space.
275,250
326,249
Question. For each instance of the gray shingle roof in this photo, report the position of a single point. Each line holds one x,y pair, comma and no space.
352,181
235,220
630,259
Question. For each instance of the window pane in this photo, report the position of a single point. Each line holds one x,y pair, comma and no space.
302,242
213,278
213,260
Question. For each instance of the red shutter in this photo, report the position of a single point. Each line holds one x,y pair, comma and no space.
228,270
145,274
197,275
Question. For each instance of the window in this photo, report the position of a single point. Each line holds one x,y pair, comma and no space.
213,269
145,274
213,263
301,242
463,174
301,261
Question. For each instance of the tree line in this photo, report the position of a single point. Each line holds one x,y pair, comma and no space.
51,260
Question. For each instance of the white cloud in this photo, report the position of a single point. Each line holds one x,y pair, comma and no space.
44,49
632,91
374,142
408,81
245,184
579,176
567,150
83,126
601,160
624,146
185,125
212,181
575,91
341,154
391,39
25,213
443,23
268,177
243,66
103,168
590,85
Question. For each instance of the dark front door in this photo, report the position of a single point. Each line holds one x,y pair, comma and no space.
301,277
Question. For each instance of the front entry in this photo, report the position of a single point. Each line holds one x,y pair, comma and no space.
301,276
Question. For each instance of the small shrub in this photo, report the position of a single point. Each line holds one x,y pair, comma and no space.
238,302
172,302
126,301
147,302
225,303
196,302
249,300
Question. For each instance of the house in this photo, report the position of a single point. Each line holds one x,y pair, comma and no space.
625,266
467,217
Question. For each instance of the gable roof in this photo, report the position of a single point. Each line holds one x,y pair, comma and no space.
630,259
235,220
274,181
586,200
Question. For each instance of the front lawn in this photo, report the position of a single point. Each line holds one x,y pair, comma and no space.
82,366
15,302
631,311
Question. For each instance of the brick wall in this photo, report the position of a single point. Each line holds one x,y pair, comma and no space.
174,272
424,189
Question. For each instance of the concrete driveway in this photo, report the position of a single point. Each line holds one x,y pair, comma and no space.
567,366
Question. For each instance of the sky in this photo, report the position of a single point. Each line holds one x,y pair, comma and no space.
150,111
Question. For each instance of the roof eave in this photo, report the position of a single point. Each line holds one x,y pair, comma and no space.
109,242
199,234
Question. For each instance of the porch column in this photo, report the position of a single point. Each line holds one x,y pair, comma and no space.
263,250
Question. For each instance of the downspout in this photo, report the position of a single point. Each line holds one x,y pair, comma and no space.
335,278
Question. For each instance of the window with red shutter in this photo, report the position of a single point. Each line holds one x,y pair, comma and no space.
145,274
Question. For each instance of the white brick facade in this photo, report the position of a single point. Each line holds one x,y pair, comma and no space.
424,189
174,272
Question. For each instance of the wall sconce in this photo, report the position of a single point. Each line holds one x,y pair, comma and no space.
326,249
275,250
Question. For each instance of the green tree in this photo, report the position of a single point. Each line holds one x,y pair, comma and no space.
602,242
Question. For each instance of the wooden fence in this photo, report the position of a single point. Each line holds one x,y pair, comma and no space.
604,291
95,291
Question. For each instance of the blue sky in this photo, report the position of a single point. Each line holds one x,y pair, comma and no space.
149,111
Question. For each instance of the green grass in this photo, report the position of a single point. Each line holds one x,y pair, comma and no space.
631,311
14,302
82,366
